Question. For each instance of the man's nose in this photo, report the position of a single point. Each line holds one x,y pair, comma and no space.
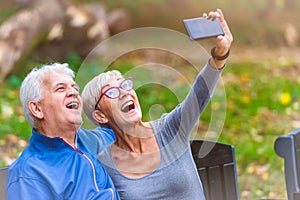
72,91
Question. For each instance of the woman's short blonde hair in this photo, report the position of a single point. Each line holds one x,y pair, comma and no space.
92,91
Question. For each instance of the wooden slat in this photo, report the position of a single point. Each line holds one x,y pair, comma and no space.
216,168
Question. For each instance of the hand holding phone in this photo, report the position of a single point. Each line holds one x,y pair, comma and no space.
201,27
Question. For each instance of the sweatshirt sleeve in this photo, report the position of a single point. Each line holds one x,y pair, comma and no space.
183,118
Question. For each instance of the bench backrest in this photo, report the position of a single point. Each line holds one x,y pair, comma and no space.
288,147
3,172
217,169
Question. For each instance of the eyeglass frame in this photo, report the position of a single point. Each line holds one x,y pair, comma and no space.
104,93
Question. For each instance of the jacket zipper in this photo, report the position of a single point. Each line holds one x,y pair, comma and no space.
90,162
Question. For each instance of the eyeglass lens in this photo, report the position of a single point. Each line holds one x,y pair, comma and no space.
114,92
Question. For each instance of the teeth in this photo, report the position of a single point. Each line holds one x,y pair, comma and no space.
72,105
125,107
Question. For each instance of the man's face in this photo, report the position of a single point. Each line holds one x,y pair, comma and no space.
60,103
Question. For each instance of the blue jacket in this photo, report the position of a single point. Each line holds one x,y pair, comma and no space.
49,168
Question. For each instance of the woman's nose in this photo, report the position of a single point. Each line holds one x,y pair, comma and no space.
123,93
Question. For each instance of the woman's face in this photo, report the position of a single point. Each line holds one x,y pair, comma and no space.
124,110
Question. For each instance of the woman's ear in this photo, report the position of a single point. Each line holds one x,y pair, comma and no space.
99,117
35,109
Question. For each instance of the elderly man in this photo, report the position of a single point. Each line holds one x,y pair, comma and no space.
56,164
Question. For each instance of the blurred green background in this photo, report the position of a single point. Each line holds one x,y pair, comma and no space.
261,82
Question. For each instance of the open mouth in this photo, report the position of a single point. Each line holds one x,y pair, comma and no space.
73,105
128,106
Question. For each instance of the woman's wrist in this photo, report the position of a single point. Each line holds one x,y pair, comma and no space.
219,54
219,57
218,65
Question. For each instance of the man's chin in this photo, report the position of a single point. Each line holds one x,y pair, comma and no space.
77,123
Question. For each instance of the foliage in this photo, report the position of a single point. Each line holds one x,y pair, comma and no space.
5,13
259,108
12,116
253,23
263,100
74,61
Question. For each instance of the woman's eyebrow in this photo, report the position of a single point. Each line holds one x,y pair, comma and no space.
105,86
110,85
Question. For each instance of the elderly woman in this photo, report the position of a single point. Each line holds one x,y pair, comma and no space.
152,160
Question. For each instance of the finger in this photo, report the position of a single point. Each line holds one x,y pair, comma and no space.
213,15
221,15
224,24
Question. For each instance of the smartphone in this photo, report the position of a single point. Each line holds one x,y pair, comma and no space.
201,28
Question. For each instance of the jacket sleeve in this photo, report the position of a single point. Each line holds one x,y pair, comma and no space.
24,189
96,140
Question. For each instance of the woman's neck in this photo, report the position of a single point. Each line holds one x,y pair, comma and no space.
137,139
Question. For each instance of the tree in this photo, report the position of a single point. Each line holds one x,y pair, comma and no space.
54,29
290,4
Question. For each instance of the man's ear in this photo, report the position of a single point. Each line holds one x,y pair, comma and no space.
35,109
99,117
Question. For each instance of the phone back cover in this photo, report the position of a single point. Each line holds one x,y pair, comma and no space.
200,28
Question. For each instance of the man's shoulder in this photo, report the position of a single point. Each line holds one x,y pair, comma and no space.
22,163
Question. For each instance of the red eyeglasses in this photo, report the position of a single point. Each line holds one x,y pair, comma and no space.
114,92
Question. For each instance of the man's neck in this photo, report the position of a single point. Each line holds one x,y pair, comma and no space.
66,133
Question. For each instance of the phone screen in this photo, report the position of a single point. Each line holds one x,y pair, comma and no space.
201,28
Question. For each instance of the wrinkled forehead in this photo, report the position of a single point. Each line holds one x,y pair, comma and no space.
53,78
111,80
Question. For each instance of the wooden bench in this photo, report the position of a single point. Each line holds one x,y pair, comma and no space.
288,147
3,172
217,169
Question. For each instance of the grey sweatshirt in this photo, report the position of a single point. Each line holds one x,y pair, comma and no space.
176,176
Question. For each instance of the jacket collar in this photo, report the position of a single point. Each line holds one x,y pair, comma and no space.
44,143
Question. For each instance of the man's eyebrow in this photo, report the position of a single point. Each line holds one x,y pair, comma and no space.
64,84
75,84
59,84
